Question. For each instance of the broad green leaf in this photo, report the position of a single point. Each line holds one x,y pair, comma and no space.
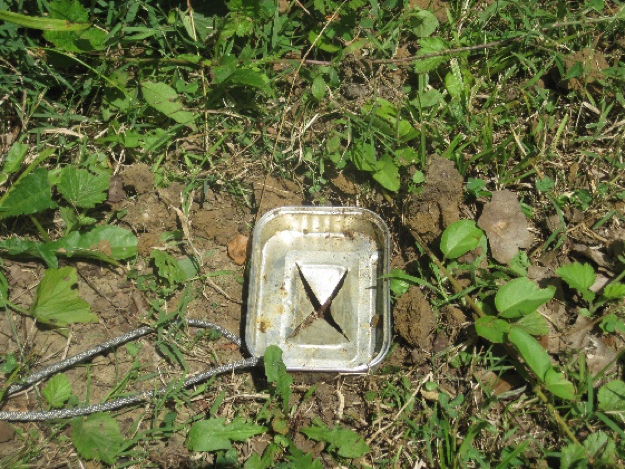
558,385
102,242
454,84
85,40
58,304
492,329
97,437
347,443
399,286
81,188
42,23
532,352
363,157
429,98
14,158
573,456
533,323
275,370
611,396
322,42
318,87
301,460
164,98
521,296
423,23
57,391
105,243
614,291
274,366
578,276
245,77
387,174
20,247
29,195
600,446
214,434
430,45
459,238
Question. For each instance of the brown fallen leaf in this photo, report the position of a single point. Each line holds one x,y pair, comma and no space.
505,225
237,249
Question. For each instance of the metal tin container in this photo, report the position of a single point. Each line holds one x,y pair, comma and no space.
316,288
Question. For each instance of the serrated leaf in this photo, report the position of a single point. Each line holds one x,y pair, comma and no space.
97,437
58,304
81,188
346,442
274,366
459,238
611,396
533,323
578,276
492,329
57,390
573,456
387,174
84,40
29,195
275,371
532,352
302,460
614,291
41,23
520,297
600,446
164,98
214,434
558,385
430,45
18,247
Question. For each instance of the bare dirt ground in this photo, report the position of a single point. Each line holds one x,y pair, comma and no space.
422,332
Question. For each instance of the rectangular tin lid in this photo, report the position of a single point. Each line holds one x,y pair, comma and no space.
315,288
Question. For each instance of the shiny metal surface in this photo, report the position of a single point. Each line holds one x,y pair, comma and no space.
315,288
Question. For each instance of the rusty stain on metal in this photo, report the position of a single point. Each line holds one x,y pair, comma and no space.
317,288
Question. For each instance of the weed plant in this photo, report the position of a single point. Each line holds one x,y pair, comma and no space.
524,96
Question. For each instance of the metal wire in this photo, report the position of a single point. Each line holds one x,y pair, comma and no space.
29,416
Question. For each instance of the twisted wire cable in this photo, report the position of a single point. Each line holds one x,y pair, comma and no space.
29,416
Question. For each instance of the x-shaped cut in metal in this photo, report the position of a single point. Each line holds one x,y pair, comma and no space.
320,310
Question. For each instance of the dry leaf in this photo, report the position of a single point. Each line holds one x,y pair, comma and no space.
505,225
237,249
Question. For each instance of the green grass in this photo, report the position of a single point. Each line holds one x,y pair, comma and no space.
522,96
